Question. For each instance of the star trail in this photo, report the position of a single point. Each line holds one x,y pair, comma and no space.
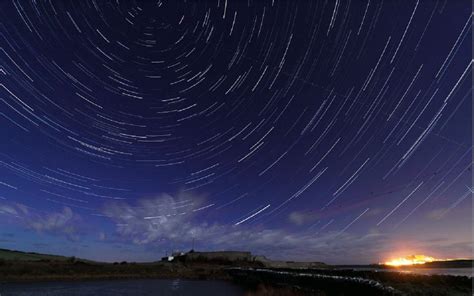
299,129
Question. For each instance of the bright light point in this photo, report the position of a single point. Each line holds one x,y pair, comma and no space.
411,260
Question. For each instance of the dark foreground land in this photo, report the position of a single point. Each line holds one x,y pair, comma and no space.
257,278
351,282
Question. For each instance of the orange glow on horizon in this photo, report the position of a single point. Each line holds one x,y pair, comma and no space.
412,260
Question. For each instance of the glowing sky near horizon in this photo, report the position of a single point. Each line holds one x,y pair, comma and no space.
336,131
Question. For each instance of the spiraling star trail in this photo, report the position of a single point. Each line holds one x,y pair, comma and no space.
312,130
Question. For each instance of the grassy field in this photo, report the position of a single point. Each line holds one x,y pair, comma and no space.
23,256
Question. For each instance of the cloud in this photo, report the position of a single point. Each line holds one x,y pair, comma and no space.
15,209
168,220
149,227
102,236
63,223
301,218
54,221
161,218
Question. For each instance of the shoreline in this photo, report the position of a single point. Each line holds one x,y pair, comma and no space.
252,273
198,277
251,278
86,278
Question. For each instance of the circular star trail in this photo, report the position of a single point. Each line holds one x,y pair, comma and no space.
300,115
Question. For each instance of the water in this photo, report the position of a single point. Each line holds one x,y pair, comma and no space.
146,287
443,271
428,271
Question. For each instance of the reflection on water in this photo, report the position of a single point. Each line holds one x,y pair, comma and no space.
445,271
123,288
428,271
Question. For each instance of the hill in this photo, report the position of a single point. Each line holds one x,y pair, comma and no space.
29,256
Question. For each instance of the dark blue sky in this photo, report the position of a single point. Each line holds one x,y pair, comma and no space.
337,131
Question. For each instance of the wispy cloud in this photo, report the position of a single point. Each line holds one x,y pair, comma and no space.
155,225
63,223
156,219
172,220
300,218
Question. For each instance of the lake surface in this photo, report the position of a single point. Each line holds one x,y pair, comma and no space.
444,271
162,287
428,271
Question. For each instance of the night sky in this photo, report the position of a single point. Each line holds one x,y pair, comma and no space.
336,131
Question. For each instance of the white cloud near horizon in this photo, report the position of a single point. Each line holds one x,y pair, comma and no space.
155,225
62,223
172,220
